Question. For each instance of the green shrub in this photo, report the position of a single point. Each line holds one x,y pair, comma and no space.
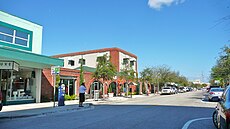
134,93
72,97
67,97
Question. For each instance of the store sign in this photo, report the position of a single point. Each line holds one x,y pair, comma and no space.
55,70
10,65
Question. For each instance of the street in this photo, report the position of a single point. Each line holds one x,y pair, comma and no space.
179,111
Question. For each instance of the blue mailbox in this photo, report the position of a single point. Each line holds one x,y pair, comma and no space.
61,95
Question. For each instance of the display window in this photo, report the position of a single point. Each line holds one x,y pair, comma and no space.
18,85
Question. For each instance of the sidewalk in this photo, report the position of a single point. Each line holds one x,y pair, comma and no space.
37,109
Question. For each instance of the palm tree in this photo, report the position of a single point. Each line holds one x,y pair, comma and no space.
105,70
128,74
81,72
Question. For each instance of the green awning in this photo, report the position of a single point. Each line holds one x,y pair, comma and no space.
27,59
87,69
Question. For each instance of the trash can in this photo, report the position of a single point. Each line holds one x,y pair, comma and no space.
96,95
61,95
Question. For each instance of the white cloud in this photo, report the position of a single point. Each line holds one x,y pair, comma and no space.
157,4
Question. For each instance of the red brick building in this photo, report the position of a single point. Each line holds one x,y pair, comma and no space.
70,73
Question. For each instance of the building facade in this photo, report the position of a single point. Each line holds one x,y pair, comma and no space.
119,58
21,62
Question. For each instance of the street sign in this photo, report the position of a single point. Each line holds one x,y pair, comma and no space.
55,70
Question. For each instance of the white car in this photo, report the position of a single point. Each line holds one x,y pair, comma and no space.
215,94
186,89
166,90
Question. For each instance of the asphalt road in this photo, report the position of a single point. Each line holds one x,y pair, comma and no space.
180,111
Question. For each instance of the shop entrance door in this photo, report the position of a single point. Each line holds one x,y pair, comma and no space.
69,86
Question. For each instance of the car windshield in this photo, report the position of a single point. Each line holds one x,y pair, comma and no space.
217,89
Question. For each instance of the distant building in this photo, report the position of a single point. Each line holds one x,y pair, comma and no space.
198,82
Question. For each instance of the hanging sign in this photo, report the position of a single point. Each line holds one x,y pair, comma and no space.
10,65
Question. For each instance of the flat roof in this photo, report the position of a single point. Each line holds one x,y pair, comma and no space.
95,51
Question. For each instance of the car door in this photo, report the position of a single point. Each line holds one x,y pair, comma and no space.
222,107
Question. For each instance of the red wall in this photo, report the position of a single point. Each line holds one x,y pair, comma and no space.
47,81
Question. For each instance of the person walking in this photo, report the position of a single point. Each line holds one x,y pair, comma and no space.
82,90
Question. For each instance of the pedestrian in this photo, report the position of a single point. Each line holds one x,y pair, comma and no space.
82,90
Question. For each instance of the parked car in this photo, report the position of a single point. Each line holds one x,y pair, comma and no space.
221,115
166,90
210,87
174,90
186,89
1,104
181,90
215,94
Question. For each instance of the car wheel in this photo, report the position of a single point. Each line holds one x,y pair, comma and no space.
215,119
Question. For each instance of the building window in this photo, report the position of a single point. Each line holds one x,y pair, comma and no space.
81,61
125,61
71,63
132,63
100,58
16,37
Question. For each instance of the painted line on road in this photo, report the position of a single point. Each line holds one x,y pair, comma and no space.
190,121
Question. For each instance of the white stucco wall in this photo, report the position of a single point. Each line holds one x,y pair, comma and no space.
90,60
19,22
122,56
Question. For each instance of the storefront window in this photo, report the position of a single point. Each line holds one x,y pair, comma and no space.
69,86
18,85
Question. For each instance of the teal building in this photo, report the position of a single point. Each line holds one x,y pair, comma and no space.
21,62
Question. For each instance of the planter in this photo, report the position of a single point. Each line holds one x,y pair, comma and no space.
111,94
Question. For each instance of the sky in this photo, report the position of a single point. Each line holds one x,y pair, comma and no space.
185,35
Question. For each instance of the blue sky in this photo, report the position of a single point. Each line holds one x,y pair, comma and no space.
186,35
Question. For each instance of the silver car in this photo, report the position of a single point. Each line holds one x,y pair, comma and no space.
215,94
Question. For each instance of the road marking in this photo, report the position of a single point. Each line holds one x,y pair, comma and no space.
190,121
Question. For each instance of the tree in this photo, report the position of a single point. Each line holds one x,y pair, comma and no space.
128,74
162,75
221,71
105,70
81,72
147,76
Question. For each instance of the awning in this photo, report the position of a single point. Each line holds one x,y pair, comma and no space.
27,59
87,69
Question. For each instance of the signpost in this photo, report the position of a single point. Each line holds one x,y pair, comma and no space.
55,70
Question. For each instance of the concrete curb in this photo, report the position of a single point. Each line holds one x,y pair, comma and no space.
44,111
39,109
